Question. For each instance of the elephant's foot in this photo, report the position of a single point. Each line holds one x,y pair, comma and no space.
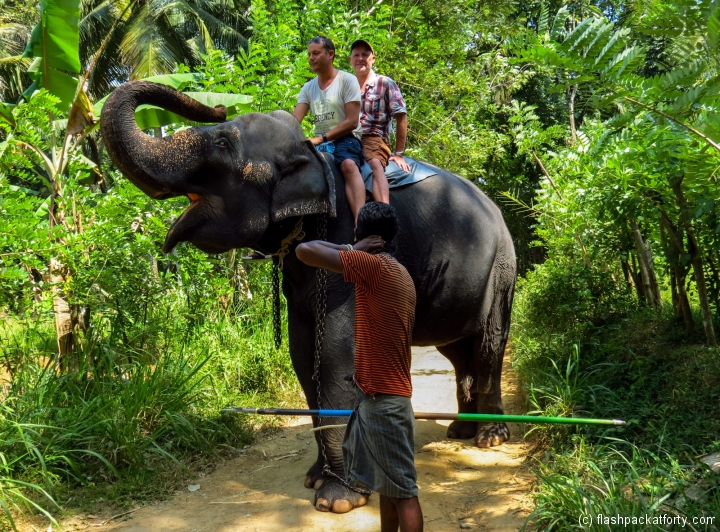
462,430
314,477
491,434
332,496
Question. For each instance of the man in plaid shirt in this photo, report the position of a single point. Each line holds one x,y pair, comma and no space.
381,101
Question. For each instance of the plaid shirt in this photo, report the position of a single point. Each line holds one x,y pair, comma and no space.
380,101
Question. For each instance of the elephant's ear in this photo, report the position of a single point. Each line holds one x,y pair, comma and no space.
306,186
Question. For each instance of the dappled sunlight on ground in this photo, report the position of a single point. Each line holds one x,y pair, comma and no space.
262,490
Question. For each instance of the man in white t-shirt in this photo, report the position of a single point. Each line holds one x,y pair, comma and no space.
334,99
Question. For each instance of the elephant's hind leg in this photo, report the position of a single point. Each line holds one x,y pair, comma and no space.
460,354
478,370
489,360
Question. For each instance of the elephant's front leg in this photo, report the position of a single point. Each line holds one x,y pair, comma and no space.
335,392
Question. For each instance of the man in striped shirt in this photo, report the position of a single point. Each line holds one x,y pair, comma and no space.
381,102
378,449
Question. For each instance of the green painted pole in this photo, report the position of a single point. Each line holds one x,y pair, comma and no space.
483,418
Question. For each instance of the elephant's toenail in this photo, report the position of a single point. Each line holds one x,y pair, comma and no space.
318,483
322,505
341,506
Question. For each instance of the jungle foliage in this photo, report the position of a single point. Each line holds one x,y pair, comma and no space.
594,125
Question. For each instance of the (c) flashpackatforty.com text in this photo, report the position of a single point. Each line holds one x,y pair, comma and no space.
587,520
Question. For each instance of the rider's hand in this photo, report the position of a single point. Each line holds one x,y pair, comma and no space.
400,161
316,141
372,244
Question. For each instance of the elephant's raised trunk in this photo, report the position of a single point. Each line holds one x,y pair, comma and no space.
158,167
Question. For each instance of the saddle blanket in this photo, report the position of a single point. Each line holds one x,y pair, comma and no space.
398,178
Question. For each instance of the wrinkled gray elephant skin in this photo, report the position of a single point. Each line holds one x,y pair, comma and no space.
250,179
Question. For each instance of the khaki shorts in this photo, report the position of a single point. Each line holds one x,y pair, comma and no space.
375,147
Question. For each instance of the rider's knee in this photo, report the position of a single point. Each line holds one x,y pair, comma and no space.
376,165
347,166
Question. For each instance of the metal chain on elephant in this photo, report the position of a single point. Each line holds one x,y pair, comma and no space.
277,325
296,234
321,310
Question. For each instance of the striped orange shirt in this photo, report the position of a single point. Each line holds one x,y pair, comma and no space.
384,319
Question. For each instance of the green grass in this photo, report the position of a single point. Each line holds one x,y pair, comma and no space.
129,425
638,367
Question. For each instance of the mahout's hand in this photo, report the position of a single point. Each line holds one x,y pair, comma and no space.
316,141
400,161
372,244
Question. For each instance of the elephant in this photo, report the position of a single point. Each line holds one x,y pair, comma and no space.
251,180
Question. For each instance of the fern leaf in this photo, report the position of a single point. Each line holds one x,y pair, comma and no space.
616,43
587,34
633,59
543,21
619,63
685,46
682,76
558,26
713,28
578,33
689,98
601,39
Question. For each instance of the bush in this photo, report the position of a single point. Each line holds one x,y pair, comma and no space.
562,303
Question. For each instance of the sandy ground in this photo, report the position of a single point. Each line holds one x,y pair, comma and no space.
461,486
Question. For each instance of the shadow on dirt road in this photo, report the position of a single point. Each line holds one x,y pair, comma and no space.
461,486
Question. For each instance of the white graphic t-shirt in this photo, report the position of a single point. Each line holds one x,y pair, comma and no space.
328,106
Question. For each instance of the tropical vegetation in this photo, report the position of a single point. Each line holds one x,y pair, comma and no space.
594,125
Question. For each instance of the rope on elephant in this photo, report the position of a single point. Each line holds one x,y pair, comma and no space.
323,427
296,234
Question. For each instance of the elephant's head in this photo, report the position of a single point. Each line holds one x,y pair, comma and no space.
239,176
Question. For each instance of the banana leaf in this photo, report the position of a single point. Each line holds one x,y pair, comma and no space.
54,46
6,113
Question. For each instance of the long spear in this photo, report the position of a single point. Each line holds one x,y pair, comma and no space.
487,418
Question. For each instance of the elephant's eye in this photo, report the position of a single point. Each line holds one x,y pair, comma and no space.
221,143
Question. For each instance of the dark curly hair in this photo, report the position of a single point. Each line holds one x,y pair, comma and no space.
379,219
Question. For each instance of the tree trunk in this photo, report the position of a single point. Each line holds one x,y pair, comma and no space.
572,92
678,273
649,279
63,315
696,261
684,302
674,295
714,282
61,308
627,274
637,279
668,249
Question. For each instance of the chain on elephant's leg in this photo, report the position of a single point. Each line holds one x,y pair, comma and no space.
335,497
333,494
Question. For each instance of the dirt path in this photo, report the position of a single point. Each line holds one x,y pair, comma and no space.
461,486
